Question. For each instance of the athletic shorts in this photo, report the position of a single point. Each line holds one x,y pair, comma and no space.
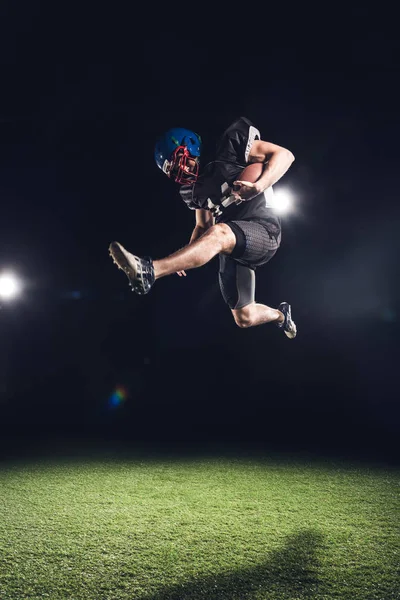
256,244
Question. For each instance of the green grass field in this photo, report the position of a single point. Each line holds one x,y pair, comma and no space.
239,528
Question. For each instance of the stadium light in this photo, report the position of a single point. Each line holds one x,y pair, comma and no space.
282,200
10,286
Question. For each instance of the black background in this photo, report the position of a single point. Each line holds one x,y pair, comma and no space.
85,91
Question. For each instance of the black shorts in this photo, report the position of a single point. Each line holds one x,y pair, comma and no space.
256,244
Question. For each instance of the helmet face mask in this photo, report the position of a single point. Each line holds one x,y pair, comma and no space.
184,168
177,154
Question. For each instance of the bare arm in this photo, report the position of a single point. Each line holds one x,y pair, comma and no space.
204,220
277,161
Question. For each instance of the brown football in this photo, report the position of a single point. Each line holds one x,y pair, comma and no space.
252,172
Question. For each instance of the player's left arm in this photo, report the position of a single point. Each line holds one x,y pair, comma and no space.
277,161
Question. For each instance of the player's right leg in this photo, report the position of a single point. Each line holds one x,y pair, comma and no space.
142,272
216,240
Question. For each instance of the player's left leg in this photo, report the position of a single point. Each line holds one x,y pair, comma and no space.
237,283
256,314
255,246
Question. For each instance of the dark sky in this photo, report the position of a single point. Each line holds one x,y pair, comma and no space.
85,90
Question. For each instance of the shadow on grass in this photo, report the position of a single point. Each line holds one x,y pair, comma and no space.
288,573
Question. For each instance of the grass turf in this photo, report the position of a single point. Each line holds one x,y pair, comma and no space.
238,528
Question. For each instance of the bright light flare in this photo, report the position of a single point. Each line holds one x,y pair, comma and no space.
282,201
10,286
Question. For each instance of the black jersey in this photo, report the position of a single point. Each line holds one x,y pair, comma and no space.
212,191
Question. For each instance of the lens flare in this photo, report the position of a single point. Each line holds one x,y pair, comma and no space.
118,397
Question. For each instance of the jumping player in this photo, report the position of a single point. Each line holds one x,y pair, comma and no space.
234,218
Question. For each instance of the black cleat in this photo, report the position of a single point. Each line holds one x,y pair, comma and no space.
140,271
288,325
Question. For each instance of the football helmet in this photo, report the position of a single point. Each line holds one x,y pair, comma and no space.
177,154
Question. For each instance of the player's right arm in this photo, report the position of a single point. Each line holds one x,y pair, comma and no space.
204,220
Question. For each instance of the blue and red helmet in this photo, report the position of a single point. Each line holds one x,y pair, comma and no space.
177,154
